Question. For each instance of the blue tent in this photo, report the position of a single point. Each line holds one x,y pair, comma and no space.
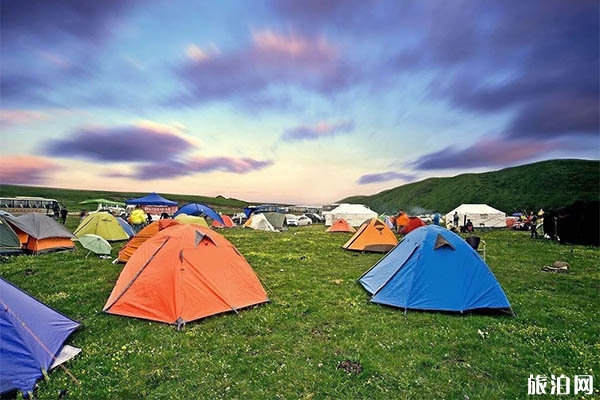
126,227
199,210
434,269
152,199
31,336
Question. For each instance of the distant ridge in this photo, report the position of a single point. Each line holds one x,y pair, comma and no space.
545,184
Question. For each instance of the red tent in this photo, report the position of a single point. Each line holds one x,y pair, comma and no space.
413,223
228,222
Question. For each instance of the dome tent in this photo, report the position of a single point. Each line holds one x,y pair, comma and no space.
433,268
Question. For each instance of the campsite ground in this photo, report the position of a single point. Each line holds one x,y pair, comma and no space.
318,318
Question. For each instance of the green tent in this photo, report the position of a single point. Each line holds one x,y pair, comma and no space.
276,219
9,241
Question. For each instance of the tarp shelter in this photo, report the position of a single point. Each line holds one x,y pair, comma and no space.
227,222
432,268
199,210
481,215
190,219
373,235
355,214
102,224
31,338
39,233
276,219
9,241
154,204
191,272
143,235
413,223
341,225
259,222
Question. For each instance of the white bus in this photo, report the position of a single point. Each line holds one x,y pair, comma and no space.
25,204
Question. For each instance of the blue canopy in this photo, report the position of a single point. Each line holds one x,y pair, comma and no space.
434,269
152,199
198,209
31,336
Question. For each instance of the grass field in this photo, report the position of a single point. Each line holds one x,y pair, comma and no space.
318,318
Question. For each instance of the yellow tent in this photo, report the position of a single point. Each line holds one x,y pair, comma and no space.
102,224
190,219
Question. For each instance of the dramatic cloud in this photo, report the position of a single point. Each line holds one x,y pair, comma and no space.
175,169
485,153
270,61
384,177
319,130
144,142
25,170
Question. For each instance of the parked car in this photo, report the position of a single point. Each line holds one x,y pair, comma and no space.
315,218
304,220
291,220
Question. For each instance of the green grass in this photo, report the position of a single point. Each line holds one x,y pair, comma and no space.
546,184
318,317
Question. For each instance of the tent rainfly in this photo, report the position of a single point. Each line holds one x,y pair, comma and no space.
39,233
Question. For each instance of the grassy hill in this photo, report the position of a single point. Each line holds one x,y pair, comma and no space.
545,184
70,198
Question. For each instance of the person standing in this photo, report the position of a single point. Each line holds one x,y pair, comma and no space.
533,225
436,218
63,215
455,218
137,219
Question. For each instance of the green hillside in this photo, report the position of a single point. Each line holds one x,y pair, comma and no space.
70,198
545,184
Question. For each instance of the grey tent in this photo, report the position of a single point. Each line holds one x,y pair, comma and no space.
9,241
39,233
276,219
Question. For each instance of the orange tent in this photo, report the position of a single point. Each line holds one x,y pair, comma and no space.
39,233
413,223
228,222
184,273
372,235
402,220
143,235
341,225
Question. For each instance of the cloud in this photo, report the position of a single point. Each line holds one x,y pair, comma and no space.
319,130
384,177
271,60
175,169
20,117
484,153
25,170
43,20
142,142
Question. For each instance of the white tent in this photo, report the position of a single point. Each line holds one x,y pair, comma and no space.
355,214
481,215
259,222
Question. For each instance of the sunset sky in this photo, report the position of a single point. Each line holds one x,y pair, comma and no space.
291,101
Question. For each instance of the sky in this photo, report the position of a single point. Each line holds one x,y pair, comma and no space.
299,102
